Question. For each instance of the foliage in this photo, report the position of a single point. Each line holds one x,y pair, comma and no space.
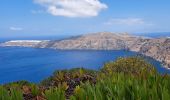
65,75
16,94
129,65
35,90
55,94
73,73
4,94
121,86
13,94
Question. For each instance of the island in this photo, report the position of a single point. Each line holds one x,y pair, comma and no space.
157,48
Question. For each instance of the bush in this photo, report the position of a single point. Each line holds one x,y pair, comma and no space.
4,94
129,65
13,94
35,90
65,75
16,94
55,94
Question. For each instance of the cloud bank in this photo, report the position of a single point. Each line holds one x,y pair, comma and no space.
127,21
72,8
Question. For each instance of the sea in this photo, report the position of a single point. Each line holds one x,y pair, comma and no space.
35,64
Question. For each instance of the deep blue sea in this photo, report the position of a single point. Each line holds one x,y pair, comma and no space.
34,65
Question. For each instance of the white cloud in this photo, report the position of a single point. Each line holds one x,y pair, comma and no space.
72,8
16,28
127,21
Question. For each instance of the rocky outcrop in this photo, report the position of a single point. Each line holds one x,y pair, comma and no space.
158,49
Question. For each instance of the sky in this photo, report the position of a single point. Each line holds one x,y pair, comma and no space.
26,18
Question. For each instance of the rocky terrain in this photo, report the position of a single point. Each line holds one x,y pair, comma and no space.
157,48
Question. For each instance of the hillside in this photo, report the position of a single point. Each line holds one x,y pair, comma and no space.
157,48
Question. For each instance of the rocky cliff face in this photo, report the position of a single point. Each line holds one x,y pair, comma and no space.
158,49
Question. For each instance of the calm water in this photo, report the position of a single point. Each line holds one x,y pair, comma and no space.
36,64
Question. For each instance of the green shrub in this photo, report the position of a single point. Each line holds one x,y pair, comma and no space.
55,94
4,94
129,65
65,75
72,73
16,94
35,90
13,94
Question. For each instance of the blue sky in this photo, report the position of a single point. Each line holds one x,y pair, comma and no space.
26,18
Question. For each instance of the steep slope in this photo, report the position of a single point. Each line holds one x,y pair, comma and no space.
158,49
